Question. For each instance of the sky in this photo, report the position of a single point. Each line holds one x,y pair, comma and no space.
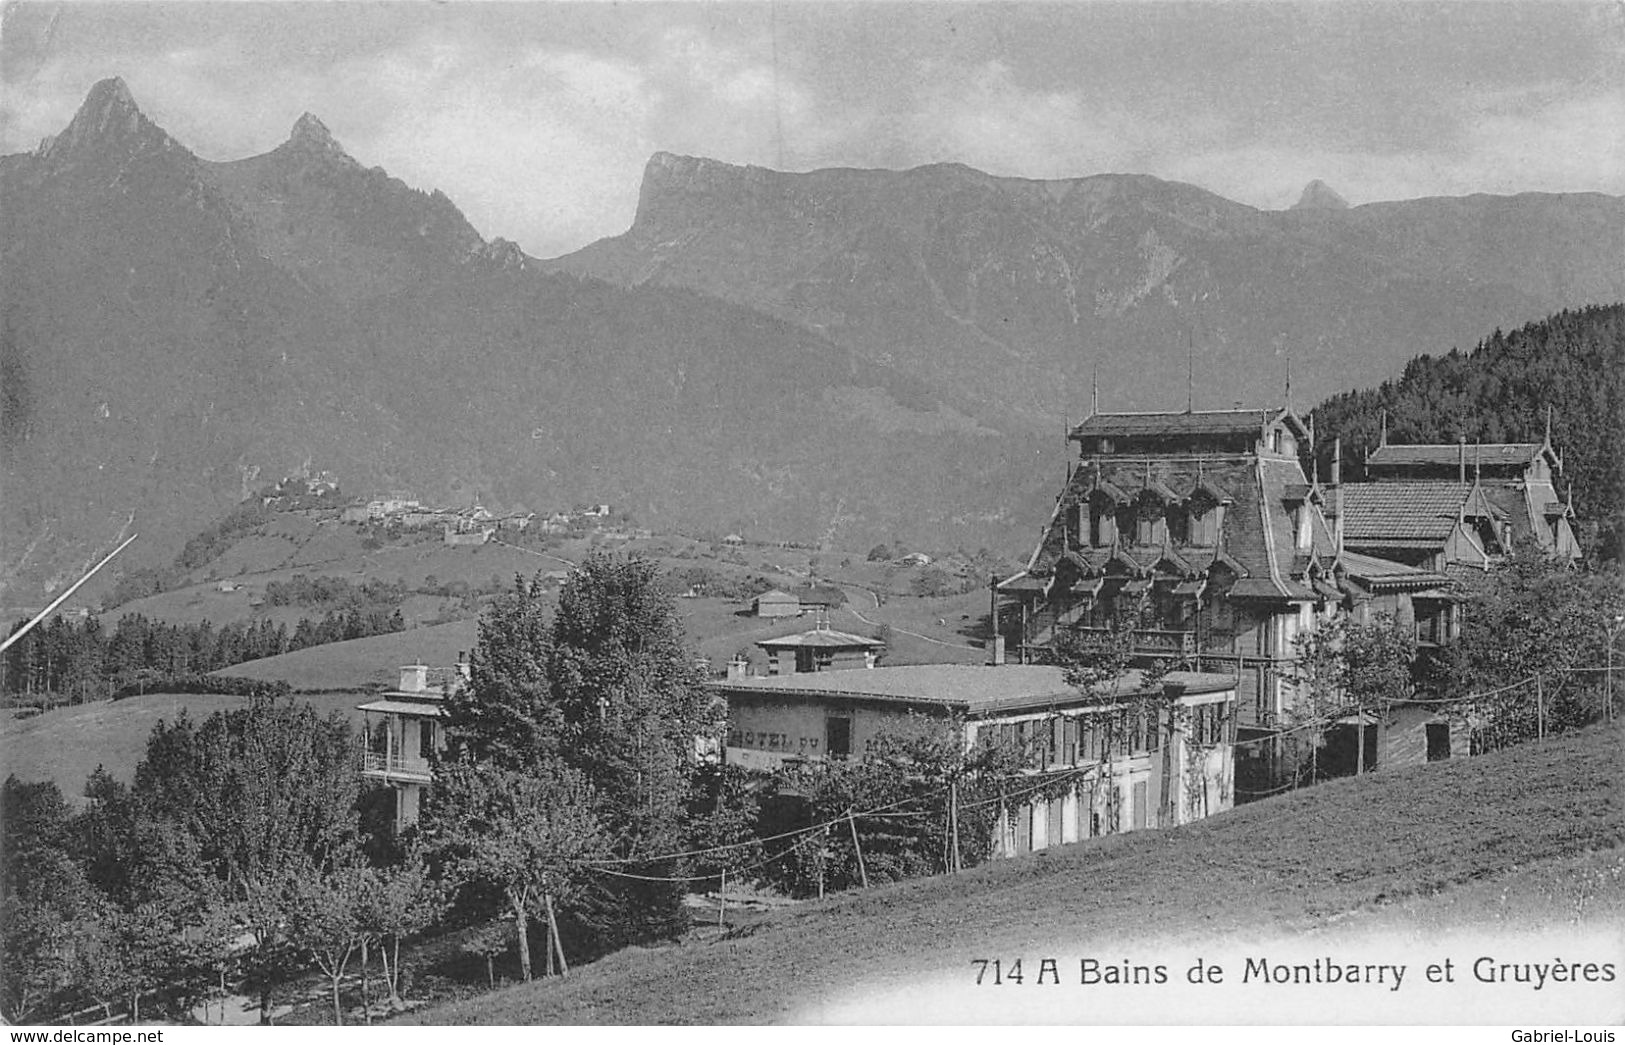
537,118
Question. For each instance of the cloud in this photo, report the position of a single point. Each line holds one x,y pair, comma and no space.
537,118
1571,144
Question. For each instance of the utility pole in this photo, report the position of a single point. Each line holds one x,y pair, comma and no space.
1540,709
863,873
953,826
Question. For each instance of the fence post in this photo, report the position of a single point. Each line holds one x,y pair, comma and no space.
863,873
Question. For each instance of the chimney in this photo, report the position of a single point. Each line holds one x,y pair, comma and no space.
1337,487
995,649
414,678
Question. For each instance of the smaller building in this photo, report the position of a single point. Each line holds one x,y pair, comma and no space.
402,734
776,603
822,649
1137,753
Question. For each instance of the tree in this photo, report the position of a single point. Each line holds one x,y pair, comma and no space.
401,899
633,703
1347,668
1098,663
266,796
508,713
327,920
45,902
528,834
936,805
1532,618
879,553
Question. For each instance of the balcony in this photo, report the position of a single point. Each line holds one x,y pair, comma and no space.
395,768
1152,642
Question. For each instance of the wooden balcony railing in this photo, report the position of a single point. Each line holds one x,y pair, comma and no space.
375,763
1154,642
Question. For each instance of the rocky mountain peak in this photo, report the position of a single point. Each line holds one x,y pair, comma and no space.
108,122
1317,195
311,135
502,255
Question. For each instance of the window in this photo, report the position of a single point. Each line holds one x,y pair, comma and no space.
425,740
1145,529
1438,741
1275,440
1179,525
1102,525
838,737
1204,525
1106,445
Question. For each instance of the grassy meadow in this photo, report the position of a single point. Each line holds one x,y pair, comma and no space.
1522,850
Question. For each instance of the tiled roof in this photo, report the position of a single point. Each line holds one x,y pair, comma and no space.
1418,510
1371,570
973,688
1451,454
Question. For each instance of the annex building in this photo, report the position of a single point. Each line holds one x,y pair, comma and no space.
1136,756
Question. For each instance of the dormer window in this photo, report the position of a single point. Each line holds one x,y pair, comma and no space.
1204,525
1148,519
1179,525
1102,524
1275,440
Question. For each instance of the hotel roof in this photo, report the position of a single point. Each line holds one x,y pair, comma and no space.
975,689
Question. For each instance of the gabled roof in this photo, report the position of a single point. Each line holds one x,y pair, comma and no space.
1443,454
821,638
1414,510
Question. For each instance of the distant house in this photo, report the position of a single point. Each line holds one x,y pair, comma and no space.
1126,757
822,649
461,537
356,512
733,540
402,735
776,603
915,559
228,586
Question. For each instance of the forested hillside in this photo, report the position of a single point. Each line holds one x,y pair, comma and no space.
1573,362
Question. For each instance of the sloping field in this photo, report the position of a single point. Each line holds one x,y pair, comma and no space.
67,744
375,660
1515,857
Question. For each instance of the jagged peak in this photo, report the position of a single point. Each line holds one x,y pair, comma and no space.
503,255
1317,195
112,92
108,119
311,134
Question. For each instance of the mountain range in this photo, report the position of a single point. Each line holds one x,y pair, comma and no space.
1025,295
839,356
